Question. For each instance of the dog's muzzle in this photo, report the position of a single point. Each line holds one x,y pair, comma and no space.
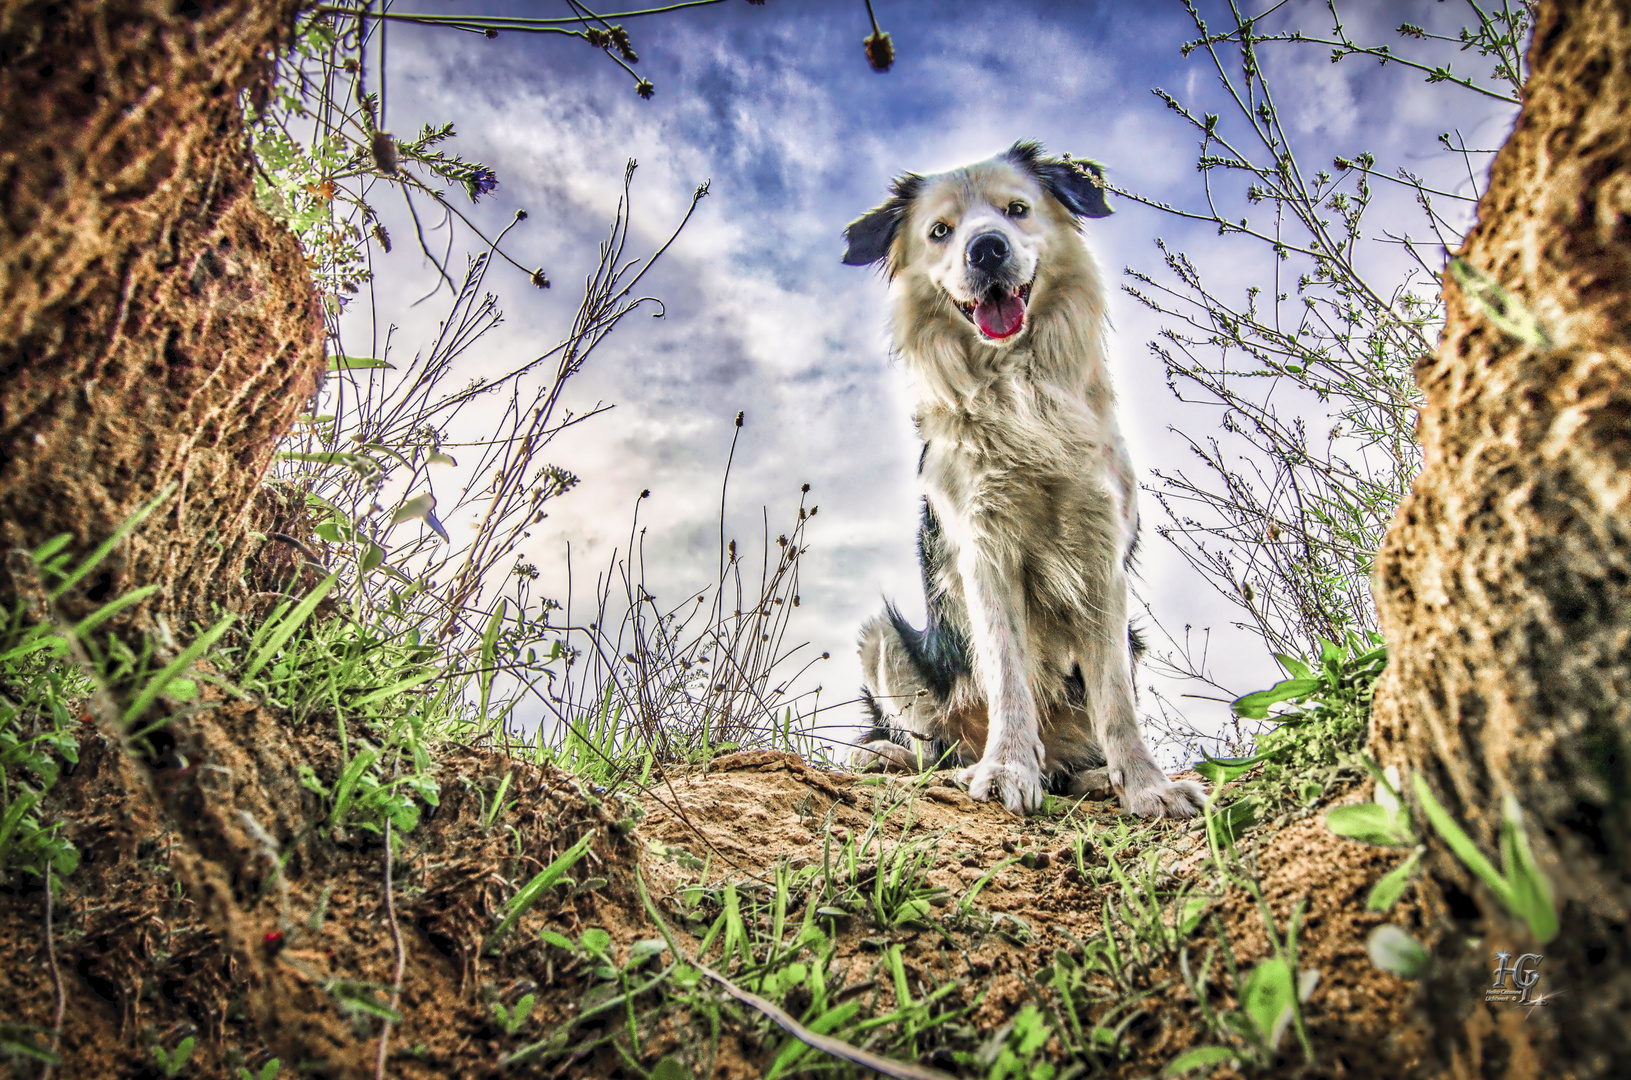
999,313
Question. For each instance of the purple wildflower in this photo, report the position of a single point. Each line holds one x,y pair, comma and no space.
481,181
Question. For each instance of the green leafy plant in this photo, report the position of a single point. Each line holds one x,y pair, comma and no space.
268,1071
171,1062
513,1018
1319,717
540,883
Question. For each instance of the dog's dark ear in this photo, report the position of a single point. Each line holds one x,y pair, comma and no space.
1076,182
868,237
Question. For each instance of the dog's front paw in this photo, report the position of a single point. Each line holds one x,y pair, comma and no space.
1149,793
1018,783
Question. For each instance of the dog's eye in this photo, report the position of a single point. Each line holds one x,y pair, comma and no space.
939,231
1017,209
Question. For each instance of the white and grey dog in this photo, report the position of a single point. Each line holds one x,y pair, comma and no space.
1024,673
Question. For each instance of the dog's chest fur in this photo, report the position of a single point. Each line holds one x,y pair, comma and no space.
1037,476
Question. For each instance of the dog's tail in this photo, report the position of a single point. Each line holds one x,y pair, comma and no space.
908,674
938,653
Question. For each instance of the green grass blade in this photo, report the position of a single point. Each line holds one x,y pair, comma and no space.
290,624
20,806
52,546
112,608
346,789
1461,843
498,800
532,890
395,688
489,639
157,685
1529,885
966,904
106,547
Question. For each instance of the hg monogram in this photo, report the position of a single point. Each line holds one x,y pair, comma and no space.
1524,975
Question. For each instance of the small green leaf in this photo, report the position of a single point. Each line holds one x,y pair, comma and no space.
644,950
439,458
1268,997
1234,819
1387,891
1256,706
1223,770
1393,950
353,363
1195,905
179,1056
1293,666
595,941
1199,1058
670,1068
560,941
1370,823
309,781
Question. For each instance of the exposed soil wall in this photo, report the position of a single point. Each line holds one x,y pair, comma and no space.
1505,583
156,327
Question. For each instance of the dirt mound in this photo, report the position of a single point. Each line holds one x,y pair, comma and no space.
1003,905
140,963
749,811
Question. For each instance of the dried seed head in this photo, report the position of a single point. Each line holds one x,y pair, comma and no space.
880,51
539,279
384,150
645,89
491,33
383,237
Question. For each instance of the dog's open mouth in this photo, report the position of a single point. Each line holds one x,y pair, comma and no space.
998,316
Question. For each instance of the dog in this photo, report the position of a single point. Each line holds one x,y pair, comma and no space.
1024,673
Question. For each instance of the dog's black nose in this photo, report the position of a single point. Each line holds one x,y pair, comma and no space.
987,252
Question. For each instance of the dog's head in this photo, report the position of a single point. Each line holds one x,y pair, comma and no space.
980,234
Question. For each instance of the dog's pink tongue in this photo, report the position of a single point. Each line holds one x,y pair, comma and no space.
1001,319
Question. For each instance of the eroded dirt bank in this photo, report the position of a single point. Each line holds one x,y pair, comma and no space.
139,967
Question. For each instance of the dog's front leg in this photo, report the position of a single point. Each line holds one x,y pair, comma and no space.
1108,675
1014,754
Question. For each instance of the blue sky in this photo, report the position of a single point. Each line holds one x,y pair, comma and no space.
776,108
